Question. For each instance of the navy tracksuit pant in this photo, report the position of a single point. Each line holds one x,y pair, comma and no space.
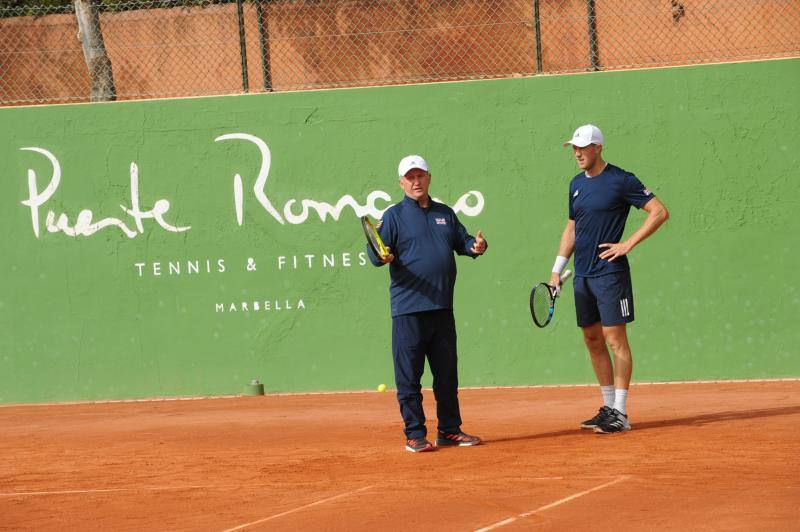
415,336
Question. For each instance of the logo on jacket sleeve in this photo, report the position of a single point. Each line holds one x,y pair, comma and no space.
575,194
441,221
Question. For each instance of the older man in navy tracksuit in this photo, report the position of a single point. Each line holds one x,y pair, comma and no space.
422,235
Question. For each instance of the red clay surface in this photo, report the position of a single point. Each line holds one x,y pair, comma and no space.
701,457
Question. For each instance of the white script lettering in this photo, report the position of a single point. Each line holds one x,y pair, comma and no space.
83,221
322,209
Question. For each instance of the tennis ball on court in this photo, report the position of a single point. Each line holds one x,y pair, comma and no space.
381,387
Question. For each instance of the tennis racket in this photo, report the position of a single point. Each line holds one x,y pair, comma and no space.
543,301
373,238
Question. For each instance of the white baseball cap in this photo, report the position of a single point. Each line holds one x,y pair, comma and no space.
586,135
409,163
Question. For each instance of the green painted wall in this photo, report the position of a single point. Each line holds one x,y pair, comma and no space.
715,290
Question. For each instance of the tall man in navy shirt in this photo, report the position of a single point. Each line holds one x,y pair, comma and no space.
422,235
600,198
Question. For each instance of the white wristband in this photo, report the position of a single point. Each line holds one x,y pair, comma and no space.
560,264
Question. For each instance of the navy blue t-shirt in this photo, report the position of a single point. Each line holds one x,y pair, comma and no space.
423,272
600,206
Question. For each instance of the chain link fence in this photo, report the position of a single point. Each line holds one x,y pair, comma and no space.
169,48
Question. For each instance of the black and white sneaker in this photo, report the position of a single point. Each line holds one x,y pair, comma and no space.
602,414
458,439
616,422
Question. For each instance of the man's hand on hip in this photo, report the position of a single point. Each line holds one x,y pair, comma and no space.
614,251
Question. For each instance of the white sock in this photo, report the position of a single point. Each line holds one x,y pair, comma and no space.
620,397
608,395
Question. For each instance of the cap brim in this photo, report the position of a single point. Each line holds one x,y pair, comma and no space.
413,168
578,143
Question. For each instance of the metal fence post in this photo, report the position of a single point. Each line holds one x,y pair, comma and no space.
262,41
594,59
242,45
538,30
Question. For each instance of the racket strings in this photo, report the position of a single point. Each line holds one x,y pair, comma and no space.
541,303
372,237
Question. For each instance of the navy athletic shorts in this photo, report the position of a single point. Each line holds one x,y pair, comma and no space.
607,299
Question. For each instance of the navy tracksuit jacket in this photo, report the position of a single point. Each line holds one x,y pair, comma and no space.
423,276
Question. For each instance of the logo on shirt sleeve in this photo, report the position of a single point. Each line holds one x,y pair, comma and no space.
646,191
575,194
441,221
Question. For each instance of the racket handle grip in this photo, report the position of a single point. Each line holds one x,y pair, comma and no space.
566,275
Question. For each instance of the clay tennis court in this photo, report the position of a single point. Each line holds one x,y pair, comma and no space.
702,456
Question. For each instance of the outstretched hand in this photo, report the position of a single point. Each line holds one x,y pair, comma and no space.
480,244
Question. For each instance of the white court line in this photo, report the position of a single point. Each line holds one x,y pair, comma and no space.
208,487
359,392
264,520
552,504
